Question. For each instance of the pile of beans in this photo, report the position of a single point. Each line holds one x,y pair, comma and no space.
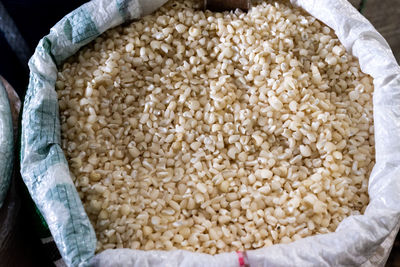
215,132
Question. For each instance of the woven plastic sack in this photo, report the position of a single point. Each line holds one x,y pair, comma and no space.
6,143
10,237
359,240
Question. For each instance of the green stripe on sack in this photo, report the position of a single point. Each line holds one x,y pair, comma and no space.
64,196
43,164
79,26
123,6
52,158
45,123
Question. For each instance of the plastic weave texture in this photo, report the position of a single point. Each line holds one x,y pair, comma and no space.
43,164
356,241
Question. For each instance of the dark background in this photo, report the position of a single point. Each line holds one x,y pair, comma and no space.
34,20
